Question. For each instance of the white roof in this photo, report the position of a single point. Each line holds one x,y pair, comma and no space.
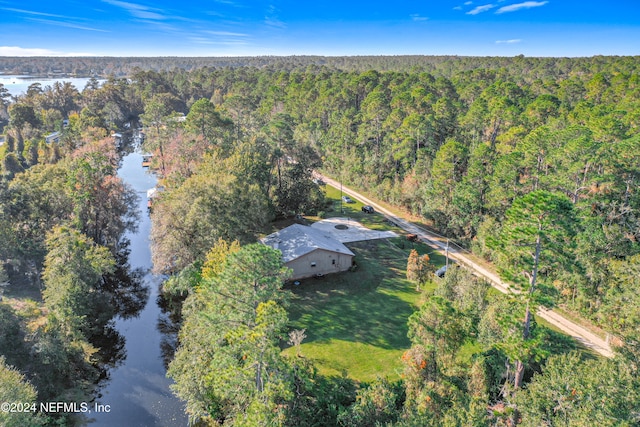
298,240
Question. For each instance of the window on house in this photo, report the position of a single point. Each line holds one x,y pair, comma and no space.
313,264
333,261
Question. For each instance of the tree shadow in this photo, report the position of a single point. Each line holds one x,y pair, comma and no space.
127,295
169,323
125,286
362,306
111,350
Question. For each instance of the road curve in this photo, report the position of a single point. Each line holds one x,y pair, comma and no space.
580,333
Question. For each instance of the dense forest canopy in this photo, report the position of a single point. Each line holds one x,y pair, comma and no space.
532,163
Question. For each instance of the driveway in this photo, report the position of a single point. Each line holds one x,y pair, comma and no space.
354,231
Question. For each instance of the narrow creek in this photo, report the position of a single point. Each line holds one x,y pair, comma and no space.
137,390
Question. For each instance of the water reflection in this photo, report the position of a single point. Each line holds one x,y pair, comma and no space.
143,332
129,294
169,326
111,349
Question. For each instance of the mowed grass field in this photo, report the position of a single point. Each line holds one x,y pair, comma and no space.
356,322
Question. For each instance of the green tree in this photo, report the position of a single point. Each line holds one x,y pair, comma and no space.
62,96
378,403
437,328
448,169
467,294
619,310
156,116
63,362
11,165
22,114
418,268
103,204
5,98
575,162
469,196
228,367
14,388
34,202
205,121
212,204
12,345
535,239
574,392
414,132
72,274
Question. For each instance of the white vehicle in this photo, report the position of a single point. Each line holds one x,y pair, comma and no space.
347,199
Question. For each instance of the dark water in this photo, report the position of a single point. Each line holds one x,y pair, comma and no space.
137,389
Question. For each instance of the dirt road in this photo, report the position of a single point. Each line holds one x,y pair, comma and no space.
580,333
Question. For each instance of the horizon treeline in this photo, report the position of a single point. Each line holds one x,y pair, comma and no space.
437,65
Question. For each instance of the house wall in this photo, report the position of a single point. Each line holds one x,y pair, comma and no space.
326,262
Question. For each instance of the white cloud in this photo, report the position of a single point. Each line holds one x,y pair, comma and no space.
21,51
145,14
416,17
481,9
207,41
137,10
468,3
519,6
272,19
31,12
67,25
67,21
226,33
76,54
274,22
511,41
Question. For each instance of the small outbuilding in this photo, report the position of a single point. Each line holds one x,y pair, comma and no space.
310,252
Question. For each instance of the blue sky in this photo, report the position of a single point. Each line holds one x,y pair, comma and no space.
320,27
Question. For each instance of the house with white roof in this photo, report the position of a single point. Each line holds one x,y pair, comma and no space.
310,252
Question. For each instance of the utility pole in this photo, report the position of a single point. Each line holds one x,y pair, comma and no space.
447,255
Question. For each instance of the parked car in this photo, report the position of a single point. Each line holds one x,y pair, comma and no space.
368,209
347,199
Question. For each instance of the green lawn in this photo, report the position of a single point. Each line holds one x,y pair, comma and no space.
356,321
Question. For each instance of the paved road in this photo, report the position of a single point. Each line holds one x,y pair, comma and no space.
581,334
